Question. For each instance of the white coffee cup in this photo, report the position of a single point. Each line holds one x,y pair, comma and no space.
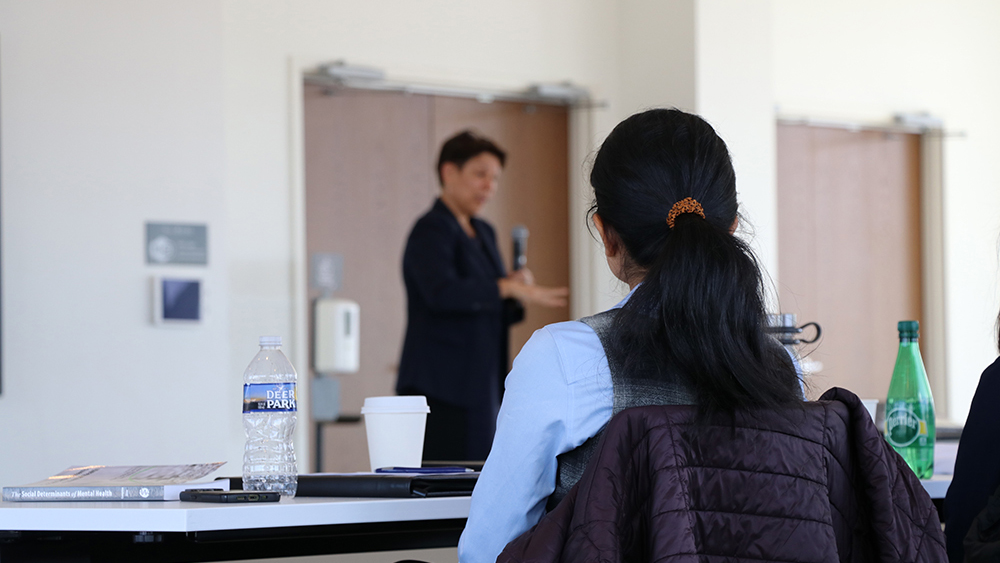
395,430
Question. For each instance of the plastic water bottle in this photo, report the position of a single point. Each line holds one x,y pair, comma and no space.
909,407
269,414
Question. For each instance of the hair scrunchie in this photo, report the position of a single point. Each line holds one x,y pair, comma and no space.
686,205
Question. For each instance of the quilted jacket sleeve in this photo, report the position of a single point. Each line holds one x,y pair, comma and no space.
816,484
903,524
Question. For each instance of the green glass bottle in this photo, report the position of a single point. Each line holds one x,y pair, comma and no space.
909,407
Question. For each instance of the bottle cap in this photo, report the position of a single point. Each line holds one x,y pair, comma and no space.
270,341
908,329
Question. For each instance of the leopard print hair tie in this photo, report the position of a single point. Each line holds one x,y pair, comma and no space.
686,205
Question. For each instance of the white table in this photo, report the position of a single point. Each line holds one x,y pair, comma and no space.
187,531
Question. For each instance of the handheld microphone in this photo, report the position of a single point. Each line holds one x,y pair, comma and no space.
520,235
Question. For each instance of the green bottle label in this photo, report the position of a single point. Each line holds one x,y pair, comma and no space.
903,425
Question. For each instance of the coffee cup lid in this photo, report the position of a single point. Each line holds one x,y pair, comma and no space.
396,404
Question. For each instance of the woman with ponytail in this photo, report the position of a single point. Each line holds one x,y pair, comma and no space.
690,331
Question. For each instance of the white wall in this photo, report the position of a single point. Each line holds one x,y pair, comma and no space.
119,112
735,95
658,54
711,57
111,117
863,60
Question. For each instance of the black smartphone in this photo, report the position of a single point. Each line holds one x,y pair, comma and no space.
213,495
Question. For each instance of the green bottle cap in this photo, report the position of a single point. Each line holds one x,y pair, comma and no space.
908,329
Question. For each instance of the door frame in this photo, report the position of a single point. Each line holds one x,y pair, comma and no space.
934,349
585,252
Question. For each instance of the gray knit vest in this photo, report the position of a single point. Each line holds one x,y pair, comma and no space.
638,389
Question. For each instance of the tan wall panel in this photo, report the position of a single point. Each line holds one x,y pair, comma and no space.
849,259
367,179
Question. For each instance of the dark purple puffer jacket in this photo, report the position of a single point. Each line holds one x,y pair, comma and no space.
810,484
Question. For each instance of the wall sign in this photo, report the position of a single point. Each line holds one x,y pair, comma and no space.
176,243
326,271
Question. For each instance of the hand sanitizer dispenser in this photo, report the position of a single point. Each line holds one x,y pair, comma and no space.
337,348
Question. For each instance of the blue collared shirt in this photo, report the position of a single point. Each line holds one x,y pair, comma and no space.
558,394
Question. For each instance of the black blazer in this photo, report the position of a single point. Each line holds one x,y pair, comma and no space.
456,323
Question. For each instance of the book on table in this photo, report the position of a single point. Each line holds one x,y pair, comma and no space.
118,482
392,484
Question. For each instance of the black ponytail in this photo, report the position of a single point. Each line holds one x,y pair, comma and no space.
698,316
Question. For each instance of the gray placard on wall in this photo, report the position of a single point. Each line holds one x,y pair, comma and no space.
326,271
176,243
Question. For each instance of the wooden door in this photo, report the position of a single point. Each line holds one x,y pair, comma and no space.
370,159
849,251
